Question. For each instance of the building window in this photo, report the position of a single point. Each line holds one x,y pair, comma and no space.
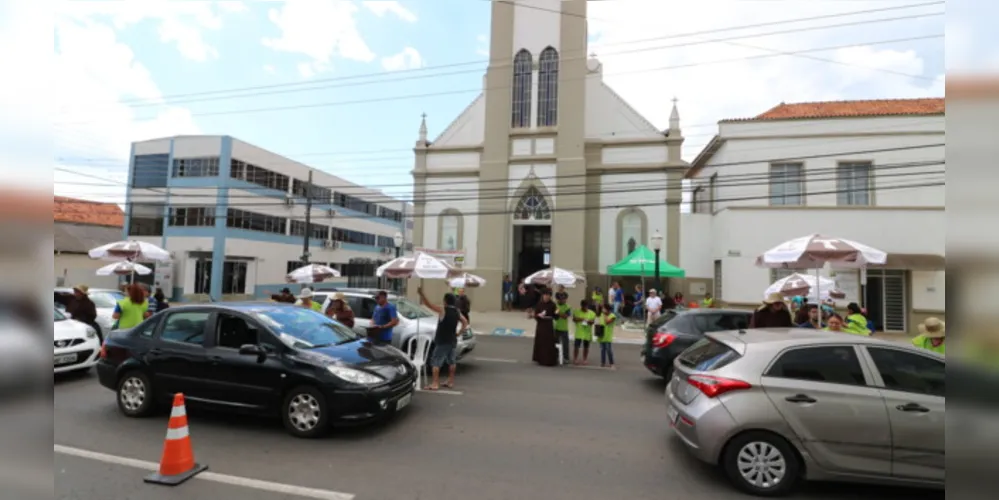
192,216
252,221
196,167
261,177
386,242
317,231
712,193
449,230
695,200
233,277
631,232
319,194
548,88
150,170
853,184
717,288
237,169
779,274
522,77
532,206
294,264
787,183
146,219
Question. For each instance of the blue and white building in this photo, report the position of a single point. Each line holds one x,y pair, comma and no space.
233,217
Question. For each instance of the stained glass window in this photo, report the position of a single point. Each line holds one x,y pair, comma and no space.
522,77
532,206
548,88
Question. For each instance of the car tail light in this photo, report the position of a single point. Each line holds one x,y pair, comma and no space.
716,386
661,340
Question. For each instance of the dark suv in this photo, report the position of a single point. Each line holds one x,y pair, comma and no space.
674,331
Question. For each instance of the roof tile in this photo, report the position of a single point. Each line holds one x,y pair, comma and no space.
87,212
846,109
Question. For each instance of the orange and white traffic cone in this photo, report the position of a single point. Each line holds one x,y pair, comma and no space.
177,464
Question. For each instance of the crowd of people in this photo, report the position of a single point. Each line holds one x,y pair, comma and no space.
593,321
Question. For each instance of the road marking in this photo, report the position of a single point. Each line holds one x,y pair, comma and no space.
442,391
587,367
496,360
507,332
284,489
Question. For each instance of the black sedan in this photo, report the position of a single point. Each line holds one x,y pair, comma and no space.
676,330
265,358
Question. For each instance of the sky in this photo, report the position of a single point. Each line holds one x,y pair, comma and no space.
341,85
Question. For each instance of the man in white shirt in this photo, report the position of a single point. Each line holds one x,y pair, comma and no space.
653,305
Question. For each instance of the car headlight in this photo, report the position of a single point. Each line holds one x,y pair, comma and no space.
91,333
355,376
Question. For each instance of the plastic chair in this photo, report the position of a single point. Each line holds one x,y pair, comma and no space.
558,348
418,352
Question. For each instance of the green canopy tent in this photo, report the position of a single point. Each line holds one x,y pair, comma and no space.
642,262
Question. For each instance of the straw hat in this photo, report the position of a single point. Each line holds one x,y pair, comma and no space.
339,296
773,298
306,293
84,289
933,328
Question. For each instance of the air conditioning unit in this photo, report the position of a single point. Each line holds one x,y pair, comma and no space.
289,201
331,244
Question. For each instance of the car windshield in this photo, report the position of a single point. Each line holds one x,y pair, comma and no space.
304,328
106,300
58,316
411,310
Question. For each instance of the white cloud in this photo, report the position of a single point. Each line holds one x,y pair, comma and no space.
179,23
268,68
382,7
319,30
409,58
709,90
482,45
94,73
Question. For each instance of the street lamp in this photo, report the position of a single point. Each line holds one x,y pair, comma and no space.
399,241
657,247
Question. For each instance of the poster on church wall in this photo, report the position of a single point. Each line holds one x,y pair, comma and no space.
454,257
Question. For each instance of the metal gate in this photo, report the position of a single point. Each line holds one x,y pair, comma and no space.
717,288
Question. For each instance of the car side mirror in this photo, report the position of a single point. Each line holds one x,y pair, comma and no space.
252,350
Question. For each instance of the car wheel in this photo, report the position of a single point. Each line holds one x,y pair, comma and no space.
761,464
135,395
305,413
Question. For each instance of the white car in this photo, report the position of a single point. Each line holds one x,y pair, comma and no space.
76,344
104,300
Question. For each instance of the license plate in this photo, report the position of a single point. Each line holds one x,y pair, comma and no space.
672,414
65,358
403,401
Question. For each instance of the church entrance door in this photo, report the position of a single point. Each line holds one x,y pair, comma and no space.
534,250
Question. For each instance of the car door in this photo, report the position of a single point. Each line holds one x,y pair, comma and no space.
243,379
177,358
914,394
823,394
364,309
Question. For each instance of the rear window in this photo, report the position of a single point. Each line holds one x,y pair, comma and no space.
680,323
706,355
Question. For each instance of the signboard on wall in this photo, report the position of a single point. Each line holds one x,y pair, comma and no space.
163,277
454,257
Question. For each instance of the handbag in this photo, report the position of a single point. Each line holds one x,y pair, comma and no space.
598,332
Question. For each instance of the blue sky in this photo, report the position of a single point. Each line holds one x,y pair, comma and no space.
125,67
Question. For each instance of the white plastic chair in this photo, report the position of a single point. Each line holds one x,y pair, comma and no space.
418,352
558,347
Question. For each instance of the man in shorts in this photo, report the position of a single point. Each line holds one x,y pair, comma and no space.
449,326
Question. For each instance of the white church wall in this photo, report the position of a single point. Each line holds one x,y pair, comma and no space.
696,248
537,24
609,117
457,193
645,189
638,155
445,162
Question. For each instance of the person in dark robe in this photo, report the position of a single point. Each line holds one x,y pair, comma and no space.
773,314
82,309
545,353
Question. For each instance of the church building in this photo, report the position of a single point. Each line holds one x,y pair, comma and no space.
548,166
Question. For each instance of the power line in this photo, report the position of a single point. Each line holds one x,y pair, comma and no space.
504,87
510,60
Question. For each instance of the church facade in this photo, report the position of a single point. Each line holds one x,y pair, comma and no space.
548,165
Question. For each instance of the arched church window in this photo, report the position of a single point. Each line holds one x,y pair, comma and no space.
548,88
631,232
532,206
450,236
522,77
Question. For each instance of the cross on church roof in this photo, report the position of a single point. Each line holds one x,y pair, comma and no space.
424,115
674,100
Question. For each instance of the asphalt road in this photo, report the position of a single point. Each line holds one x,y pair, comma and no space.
510,430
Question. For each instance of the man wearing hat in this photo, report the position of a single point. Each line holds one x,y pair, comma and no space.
772,314
931,335
340,310
82,309
305,300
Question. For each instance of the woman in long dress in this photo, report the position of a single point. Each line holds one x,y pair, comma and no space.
545,353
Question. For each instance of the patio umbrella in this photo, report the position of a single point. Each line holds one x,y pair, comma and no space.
466,280
312,273
123,268
815,251
555,276
799,285
421,265
139,251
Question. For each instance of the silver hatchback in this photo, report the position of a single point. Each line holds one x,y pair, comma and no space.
772,406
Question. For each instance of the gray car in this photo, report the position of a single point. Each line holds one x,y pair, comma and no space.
772,406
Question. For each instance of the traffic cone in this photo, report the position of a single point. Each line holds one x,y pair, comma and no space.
177,464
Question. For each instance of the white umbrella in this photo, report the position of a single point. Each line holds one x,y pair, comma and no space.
555,276
123,268
799,285
130,250
312,273
815,251
420,265
466,280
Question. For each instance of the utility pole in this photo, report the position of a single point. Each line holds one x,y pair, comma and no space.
308,220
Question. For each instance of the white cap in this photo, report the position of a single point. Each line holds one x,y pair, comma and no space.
306,293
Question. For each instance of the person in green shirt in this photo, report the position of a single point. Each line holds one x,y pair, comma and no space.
856,322
562,314
305,300
931,335
584,317
708,301
605,324
598,297
131,310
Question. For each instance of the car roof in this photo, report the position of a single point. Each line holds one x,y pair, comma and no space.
715,311
783,337
66,289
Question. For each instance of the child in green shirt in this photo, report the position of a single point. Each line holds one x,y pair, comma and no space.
562,314
584,318
605,323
